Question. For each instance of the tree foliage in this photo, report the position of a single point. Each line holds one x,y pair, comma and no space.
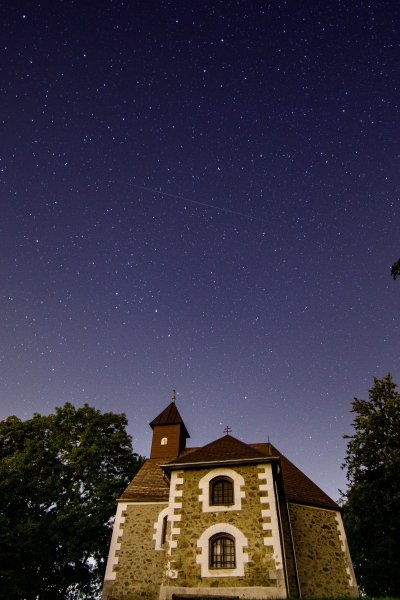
59,478
395,270
372,502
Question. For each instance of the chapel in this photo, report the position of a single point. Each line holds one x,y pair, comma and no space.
226,520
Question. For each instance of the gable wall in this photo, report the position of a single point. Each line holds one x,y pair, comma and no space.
256,519
323,561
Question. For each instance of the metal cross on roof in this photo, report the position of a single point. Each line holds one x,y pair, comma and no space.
173,396
227,430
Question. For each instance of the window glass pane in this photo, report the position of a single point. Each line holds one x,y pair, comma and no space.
222,553
222,491
164,530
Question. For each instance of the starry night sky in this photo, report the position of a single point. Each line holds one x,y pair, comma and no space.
201,196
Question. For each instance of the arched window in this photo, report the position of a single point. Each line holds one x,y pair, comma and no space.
222,552
228,494
221,491
164,441
160,529
164,530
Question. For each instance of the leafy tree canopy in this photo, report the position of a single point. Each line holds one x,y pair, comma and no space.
59,478
395,270
372,502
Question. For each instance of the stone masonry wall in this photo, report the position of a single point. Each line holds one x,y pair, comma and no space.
323,563
293,591
140,567
260,570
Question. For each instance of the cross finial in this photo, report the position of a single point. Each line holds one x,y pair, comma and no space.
227,430
173,396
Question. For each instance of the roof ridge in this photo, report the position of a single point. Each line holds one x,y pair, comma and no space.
224,448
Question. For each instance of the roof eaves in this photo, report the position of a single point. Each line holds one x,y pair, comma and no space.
143,500
317,504
221,462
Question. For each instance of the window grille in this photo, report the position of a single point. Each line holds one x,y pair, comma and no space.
221,491
222,552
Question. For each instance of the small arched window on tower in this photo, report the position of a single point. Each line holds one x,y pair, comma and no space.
221,491
222,553
164,441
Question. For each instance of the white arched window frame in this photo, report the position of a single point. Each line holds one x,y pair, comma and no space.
160,529
241,557
238,493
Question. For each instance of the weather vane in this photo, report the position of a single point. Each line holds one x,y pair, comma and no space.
173,396
227,430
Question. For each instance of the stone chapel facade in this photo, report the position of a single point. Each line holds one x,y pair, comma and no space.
227,520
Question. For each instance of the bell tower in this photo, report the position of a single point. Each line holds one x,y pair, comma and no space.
169,433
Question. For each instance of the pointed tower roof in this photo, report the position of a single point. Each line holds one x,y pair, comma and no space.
170,416
226,448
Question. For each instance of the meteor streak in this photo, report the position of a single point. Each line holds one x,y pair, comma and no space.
184,199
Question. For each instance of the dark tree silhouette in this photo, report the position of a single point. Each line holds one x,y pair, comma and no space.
59,478
395,269
372,501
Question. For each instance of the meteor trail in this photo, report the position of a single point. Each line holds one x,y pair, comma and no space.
184,199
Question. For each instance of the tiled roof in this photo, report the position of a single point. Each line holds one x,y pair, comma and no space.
170,416
151,485
298,487
225,448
